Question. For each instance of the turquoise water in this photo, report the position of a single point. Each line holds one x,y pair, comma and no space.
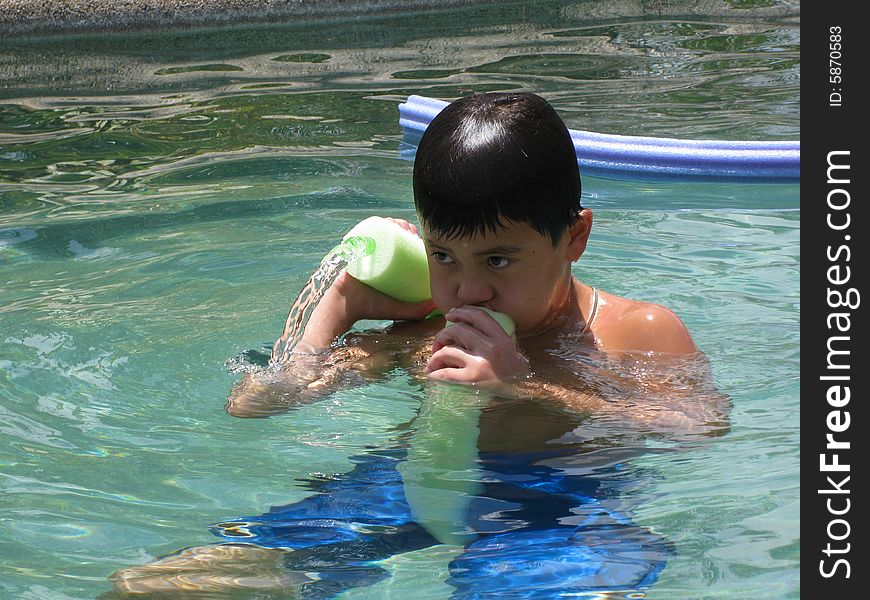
163,198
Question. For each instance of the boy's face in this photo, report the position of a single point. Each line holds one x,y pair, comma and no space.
515,270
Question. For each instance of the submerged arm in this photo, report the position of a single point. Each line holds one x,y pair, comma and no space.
300,379
650,375
672,396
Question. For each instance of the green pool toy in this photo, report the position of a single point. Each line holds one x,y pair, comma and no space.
389,259
441,475
440,472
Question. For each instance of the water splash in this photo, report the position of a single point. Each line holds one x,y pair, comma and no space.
249,361
331,267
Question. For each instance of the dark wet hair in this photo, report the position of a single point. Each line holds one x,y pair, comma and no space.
493,157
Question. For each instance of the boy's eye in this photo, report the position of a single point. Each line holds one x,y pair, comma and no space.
442,257
499,262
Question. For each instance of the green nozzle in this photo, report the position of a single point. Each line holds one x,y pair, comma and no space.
352,248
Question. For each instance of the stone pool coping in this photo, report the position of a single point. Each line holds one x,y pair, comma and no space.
59,17
27,18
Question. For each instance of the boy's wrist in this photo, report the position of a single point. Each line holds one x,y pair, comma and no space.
347,298
333,316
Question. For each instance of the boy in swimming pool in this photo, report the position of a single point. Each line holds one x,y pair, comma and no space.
497,191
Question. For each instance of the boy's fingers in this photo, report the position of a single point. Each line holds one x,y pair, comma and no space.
404,225
448,374
461,334
446,357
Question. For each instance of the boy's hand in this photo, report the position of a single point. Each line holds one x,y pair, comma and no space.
364,302
474,350
407,226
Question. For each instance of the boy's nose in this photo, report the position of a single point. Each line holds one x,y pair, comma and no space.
474,292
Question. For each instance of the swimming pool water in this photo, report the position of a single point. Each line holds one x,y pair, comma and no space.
159,213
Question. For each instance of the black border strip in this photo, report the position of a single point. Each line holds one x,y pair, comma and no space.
834,170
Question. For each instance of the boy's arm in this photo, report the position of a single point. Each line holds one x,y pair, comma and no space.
333,316
671,396
667,379
314,367
654,408
301,379
346,302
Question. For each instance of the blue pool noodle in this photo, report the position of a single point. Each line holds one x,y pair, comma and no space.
651,158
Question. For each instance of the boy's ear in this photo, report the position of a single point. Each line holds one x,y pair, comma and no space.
578,234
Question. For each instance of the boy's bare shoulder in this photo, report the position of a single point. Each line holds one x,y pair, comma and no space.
624,325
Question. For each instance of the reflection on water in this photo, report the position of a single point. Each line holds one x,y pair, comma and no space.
120,114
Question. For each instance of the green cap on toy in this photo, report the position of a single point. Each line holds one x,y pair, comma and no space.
502,319
394,262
